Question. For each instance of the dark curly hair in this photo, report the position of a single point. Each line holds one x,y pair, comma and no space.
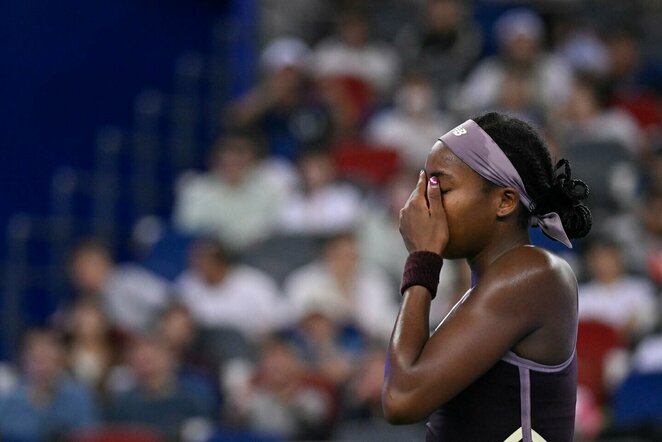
551,188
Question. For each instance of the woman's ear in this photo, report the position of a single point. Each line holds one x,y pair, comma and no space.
508,201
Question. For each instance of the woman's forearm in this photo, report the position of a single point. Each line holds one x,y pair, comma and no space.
409,336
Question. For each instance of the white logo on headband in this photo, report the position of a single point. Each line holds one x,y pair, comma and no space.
459,131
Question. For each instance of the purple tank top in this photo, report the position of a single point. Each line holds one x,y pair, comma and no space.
516,400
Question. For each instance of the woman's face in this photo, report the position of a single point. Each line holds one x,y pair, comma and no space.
470,207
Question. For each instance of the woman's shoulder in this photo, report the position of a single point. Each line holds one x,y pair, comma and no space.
529,267
534,259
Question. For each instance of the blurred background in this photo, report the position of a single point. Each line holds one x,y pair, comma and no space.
200,198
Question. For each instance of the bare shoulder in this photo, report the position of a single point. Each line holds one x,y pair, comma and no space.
528,270
530,264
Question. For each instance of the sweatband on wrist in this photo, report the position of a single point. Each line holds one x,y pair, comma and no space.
422,268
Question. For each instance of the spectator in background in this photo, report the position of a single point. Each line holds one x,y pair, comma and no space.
443,45
46,404
589,117
285,398
640,235
636,81
222,294
350,101
517,97
363,399
363,418
351,53
91,347
194,371
179,332
320,204
412,124
329,347
283,106
157,398
129,295
351,292
520,34
611,296
582,48
234,201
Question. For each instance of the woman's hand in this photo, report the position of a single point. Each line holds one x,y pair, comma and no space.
423,223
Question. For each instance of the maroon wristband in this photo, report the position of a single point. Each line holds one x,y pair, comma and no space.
422,268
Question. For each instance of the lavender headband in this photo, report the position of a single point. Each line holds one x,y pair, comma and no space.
470,143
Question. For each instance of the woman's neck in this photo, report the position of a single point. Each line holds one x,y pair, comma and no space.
501,244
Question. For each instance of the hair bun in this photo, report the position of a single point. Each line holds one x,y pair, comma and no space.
574,190
567,195
577,221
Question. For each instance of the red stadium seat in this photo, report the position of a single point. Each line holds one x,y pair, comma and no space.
118,433
365,163
644,107
594,342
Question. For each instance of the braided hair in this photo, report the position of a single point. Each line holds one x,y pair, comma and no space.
551,188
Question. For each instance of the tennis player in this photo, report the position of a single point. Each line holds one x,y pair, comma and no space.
502,365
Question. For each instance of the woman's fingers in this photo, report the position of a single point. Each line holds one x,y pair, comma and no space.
419,196
434,197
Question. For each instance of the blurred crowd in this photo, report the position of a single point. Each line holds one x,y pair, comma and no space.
263,310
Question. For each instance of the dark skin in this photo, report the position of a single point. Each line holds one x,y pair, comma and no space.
525,299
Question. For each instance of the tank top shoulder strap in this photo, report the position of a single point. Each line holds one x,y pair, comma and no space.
511,358
457,304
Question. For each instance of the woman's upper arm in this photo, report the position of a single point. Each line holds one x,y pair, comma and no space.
500,311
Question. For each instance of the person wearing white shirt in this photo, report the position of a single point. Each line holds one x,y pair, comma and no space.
588,116
520,33
234,201
351,53
348,291
409,126
627,303
320,204
130,296
223,295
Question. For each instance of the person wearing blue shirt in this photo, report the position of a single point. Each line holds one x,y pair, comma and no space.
46,403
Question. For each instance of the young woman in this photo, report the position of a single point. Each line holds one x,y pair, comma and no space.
501,366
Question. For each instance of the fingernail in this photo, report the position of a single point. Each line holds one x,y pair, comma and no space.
422,172
434,181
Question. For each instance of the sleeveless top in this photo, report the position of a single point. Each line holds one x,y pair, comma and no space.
516,400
